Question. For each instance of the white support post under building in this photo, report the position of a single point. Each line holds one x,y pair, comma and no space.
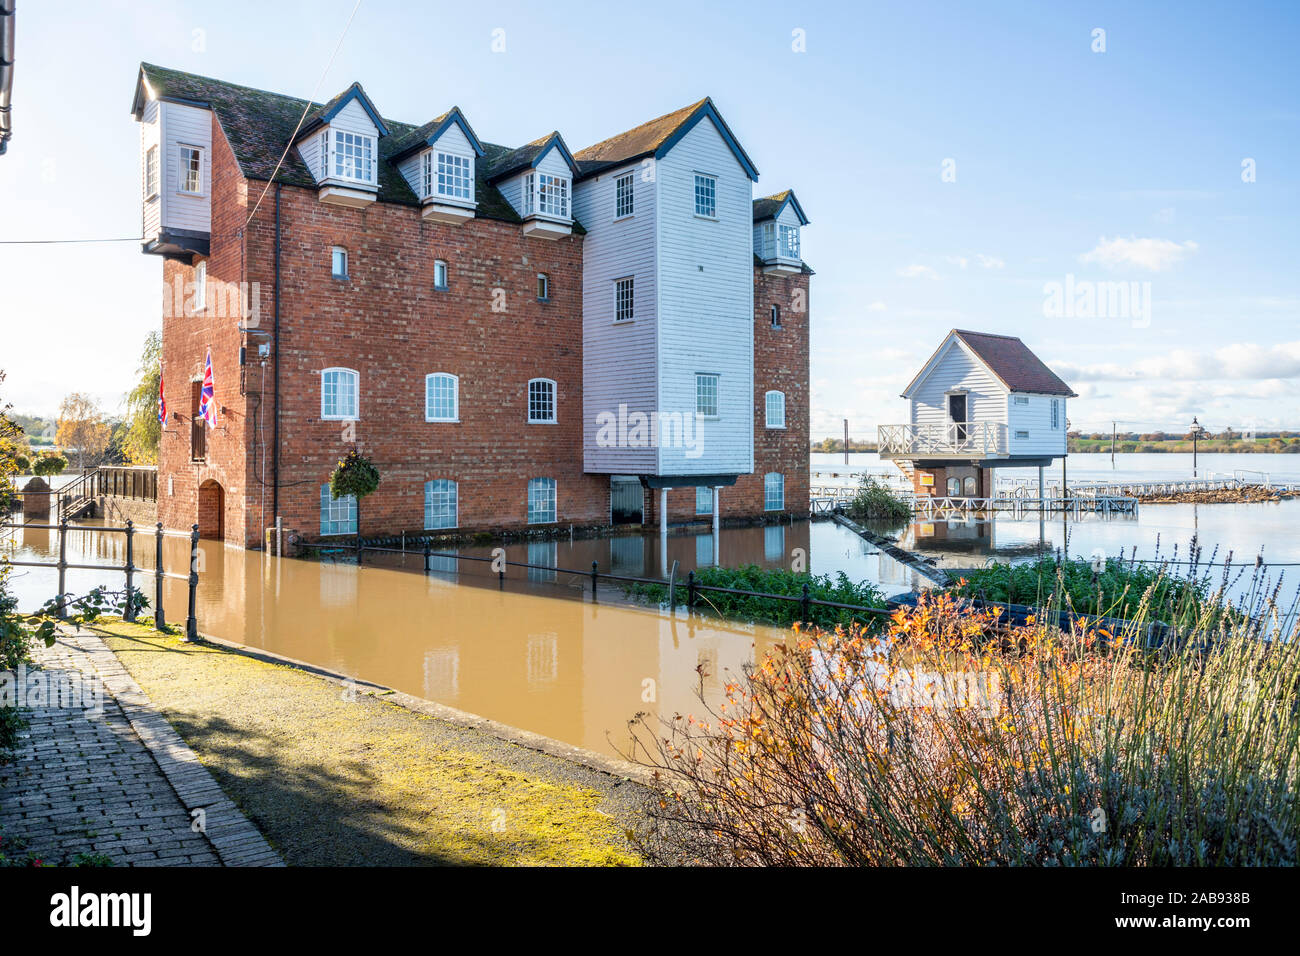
663,531
717,523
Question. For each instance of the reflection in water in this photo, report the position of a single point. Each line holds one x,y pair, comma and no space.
566,668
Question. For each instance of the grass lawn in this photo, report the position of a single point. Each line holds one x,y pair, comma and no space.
337,782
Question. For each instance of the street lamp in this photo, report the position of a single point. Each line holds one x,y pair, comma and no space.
1197,431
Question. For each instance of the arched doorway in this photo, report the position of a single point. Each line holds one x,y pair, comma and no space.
212,510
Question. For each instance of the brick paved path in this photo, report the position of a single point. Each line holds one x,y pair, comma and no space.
123,784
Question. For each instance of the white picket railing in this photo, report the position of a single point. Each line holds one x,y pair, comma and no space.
949,438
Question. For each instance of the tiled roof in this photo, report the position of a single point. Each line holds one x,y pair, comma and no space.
520,159
769,207
1011,361
258,124
639,141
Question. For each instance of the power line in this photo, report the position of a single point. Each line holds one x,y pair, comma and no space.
306,109
50,242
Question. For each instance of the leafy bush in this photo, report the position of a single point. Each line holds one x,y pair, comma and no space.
957,740
49,464
1110,587
751,577
875,500
355,475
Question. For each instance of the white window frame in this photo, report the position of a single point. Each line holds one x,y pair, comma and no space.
555,402
624,296
544,194
348,151
184,168
775,313
337,253
785,247
778,420
543,491
1056,414
1020,399
543,287
710,184
771,489
341,374
703,500
455,397
703,379
624,196
329,508
151,172
441,264
432,523
454,171
200,301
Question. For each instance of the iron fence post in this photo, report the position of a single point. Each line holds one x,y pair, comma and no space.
159,619
63,564
595,576
690,589
191,624
804,604
427,549
129,613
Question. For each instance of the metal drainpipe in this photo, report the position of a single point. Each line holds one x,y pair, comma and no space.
275,415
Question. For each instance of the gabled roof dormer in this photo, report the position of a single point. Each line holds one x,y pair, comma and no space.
777,221
439,161
339,143
537,180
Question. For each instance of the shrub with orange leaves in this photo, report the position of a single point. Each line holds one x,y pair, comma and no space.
955,738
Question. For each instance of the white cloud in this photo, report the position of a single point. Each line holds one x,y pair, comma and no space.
960,261
917,271
988,262
1244,362
877,306
1152,254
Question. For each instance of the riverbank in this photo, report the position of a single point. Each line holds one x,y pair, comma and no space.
334,774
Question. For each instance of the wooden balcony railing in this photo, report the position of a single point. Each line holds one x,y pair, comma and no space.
949,438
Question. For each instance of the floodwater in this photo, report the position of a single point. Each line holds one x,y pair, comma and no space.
566,668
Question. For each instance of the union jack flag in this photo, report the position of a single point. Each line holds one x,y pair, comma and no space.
162,403
207,403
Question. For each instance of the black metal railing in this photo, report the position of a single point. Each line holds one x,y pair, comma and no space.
693,588
128,568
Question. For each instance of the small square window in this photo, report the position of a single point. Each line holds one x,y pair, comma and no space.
543,287
706,196
339,262
706,395
440,275
624,295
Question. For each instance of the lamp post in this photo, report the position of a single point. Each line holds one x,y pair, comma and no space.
1196,434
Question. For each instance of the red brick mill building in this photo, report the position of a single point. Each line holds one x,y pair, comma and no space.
519,338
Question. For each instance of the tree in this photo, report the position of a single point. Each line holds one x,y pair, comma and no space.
82,427
10,437
51,463
142,429
355,475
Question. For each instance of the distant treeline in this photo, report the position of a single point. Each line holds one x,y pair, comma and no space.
836,446
1226,441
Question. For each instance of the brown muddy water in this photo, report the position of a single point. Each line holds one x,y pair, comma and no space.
536,655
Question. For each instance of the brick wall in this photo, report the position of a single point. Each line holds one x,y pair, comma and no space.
387,322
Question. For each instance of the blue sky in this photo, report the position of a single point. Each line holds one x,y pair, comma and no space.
1115,166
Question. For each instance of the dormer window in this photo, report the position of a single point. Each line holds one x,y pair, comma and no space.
448,176
788,246
354,157
546,195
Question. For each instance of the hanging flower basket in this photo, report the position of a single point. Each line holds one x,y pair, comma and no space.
355,475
